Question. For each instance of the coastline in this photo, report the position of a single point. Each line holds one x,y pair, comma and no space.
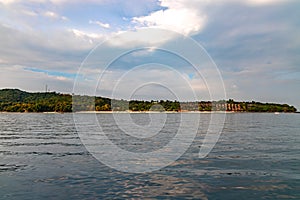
147,112
15,100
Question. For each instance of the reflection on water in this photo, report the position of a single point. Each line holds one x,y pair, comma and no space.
160,185
257,157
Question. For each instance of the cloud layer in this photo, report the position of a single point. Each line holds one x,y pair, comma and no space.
255,43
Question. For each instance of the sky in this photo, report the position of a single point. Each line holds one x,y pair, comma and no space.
127,49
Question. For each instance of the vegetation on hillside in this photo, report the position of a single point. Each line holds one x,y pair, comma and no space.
14,100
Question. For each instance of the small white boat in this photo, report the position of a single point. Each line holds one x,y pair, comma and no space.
276,113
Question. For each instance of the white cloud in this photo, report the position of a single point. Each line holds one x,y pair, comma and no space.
178,17
265,2
62,50
83,34
51,14
7,2
188,16
143,52
103,25
62,78
141,37
54,15
56,2
64,18
60,2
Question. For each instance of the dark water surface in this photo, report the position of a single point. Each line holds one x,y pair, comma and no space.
256,157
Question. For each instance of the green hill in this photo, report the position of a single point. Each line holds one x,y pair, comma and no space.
14,100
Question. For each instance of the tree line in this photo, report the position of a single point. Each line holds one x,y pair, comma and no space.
15,100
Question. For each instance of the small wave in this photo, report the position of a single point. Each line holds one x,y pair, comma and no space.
44,153
9,144
11,167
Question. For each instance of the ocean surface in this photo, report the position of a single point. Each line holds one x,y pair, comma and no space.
256,157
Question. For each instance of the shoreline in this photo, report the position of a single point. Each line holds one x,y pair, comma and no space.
144,112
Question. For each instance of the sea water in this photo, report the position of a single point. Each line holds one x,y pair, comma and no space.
256,157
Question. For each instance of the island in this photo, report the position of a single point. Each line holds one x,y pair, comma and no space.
15,100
